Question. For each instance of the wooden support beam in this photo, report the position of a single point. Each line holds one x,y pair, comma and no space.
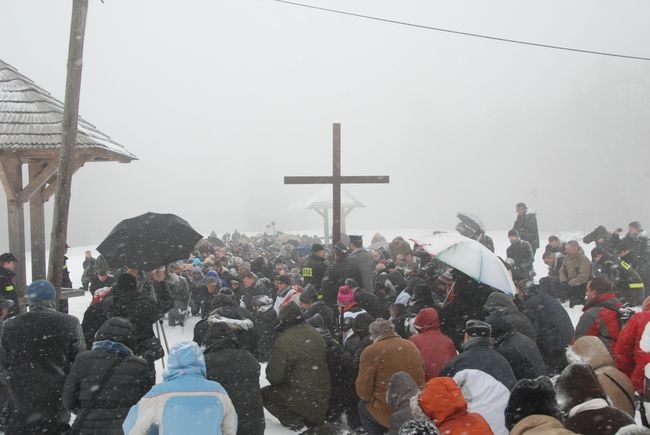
6,165
51,185
37,180
13,172
37,221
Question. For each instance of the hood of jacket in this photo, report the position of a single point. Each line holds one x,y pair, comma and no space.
498,301
185,359
590,350
427,318
401,388
442,398
577,384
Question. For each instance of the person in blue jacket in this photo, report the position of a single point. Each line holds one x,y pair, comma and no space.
185,402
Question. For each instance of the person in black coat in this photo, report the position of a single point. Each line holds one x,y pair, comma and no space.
238,372
137,307
315,267
520,351
342,269
365,300
101,279
266,320
311,306
38,349
554,328
7,289
526,225
131,378
520,253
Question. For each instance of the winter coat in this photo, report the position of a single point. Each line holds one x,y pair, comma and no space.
7,288
526,225
596,417
485,378
179,289
632,350
575,270
265,324
629,285
600,319
436,348
520,351
581,396
130,380
522,253
504,304
550,320
185,402
96,283
297,368
368,302
402,397
238,318
618,387
539,425
38,349
389,354
363,260
342,269
258,289
238,372
313,271
138,308
442,401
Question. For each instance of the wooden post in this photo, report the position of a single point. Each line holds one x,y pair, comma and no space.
12,170
336,185
37,224
69,138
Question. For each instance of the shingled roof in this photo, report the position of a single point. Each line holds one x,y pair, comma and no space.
31,121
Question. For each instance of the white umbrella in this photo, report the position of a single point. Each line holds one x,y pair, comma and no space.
470,257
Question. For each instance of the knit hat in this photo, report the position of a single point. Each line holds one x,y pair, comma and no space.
352,283
126,281
309,294
196,262
117,329
212,274
531,396
345,296
284,279
600,284
317,247
41,290
380,327
7,257
477,328
418,426
341,248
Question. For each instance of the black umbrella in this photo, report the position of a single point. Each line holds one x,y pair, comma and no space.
148,241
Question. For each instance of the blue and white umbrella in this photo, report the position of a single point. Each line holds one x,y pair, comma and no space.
470,257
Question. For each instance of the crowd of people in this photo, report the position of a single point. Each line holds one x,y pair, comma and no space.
380,340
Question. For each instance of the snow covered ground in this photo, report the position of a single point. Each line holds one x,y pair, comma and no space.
176,334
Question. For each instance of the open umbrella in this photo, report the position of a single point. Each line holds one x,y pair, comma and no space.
149,241
471,221
470,257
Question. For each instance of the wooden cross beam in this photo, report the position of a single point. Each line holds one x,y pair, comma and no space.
336,179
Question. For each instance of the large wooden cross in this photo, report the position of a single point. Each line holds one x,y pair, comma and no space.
336,180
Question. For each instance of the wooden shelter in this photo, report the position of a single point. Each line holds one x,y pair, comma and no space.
322,203
30,134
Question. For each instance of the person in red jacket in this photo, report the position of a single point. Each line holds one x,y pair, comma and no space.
600,317
442,401
632,351
436,348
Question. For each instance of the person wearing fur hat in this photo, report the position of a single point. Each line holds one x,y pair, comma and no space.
600,313
484,376
38,349
442,401
618,387
238,372
436,348
103,411
533,410
584,401
520,351
388,354
402,395
299,390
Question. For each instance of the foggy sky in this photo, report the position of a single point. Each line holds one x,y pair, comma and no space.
221,99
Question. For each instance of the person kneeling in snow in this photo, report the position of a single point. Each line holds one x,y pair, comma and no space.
186,402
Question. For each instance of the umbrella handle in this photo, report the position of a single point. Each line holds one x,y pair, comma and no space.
449,292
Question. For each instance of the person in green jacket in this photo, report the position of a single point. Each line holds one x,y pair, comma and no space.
297,371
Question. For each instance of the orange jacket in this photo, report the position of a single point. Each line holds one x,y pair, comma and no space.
443,402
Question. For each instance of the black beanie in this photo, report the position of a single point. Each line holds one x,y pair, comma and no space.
126,281
117,329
